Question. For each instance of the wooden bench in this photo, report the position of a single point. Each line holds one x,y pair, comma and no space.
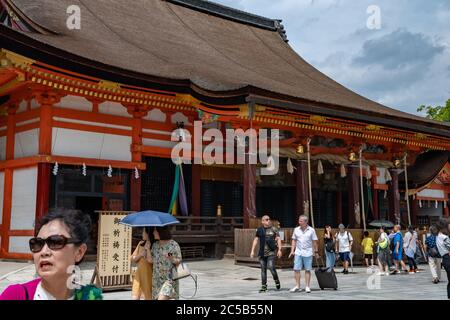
192,252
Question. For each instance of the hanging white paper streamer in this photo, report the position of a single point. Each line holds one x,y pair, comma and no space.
83,170
343,171
319,167
109,173
387,175
136,173
290,167
55,169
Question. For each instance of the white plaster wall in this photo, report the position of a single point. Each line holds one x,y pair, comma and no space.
23,208
2,189
179,117
158,143
22,106
34,104
26,143
75,143
19,244
381,178
432,193
113,108
2,148
156,115
75,103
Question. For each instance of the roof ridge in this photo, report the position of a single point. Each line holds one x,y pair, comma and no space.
234,14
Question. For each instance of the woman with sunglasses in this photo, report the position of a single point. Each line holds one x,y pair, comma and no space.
60,244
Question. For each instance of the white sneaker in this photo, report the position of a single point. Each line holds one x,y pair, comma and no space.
387,273
307,290
380,274
295,289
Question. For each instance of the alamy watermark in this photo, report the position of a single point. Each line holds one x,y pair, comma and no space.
73,21
236,147
374,20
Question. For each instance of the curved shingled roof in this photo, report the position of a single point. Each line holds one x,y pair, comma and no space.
214,50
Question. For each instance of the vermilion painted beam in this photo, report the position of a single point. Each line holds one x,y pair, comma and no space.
28,126
91,128
28,115
92,117
30,161
18,256
21,233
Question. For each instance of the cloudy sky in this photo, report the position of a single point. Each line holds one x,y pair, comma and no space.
403,64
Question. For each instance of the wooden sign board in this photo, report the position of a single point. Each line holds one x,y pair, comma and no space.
113,268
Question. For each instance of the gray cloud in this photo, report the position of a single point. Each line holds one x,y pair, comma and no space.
398,49
403,65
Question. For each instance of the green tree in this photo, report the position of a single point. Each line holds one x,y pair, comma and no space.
441,113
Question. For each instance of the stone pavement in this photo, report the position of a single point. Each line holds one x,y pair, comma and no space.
222,279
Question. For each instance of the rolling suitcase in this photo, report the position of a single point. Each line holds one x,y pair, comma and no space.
326,277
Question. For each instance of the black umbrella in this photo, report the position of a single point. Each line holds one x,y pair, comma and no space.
381,223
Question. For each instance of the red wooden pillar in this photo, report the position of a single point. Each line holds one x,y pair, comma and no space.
249,192
353,196
43,189
136,155
302,191
394,197
46,99
196,189
8,180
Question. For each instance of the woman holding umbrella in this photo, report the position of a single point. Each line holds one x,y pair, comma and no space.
165,253
142,282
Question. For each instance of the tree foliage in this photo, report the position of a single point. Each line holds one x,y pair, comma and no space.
441,113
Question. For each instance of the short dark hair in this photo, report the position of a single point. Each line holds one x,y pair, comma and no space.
383,228
411,228
366,233
78,223
164,233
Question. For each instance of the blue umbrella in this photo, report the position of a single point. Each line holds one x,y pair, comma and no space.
149,219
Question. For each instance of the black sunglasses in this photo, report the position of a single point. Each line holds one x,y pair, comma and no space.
56,242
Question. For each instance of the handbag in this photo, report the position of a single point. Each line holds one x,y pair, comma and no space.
329,246
182,271
434,252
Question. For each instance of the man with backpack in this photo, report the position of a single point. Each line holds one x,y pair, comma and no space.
269,245
434,258
344,241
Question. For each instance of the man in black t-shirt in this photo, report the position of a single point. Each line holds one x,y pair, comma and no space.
269,244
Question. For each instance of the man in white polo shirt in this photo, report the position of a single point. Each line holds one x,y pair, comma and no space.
304,246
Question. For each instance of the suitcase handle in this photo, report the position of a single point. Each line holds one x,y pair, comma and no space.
319,259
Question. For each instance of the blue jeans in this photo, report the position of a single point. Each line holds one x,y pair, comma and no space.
302,263
268,263
330,259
